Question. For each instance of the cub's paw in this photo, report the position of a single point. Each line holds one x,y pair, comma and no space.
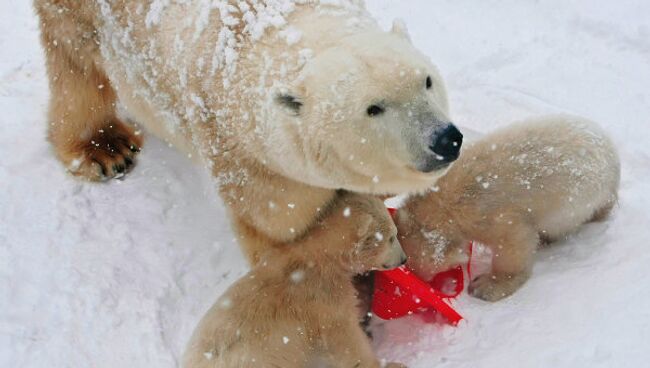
108,153
494,287
393,365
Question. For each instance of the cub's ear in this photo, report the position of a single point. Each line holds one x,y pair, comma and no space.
289,101
399,28
365,221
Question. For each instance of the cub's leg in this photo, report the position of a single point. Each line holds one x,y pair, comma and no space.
512,260
85,133
603,213
364,286
349,347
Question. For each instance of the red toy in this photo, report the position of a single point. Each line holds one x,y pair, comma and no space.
399,292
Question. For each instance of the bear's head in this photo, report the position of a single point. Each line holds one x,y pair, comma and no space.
369,114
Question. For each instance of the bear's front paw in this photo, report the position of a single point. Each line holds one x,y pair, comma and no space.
108,153
494,287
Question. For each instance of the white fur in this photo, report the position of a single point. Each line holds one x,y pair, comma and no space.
333,58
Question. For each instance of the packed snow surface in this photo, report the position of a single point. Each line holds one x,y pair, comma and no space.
118,274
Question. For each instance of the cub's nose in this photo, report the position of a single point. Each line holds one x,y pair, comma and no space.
403,260
446,143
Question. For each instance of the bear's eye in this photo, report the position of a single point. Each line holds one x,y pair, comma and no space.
429,82
290,102
369,243
374,110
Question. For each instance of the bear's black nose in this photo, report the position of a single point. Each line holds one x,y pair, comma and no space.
446,143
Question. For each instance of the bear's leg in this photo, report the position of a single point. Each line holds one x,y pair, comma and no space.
252,242
269,210
86,134
511,265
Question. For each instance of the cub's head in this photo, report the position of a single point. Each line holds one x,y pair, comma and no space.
432,251
372,240
369,115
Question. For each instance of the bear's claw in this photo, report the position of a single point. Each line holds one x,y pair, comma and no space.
109,153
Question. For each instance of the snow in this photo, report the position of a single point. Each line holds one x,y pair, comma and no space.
438,243
291,35
155,12
118,274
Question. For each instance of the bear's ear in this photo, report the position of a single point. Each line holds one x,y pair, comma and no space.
289,102
399,28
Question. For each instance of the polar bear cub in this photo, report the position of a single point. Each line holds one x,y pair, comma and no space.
295,307
534,181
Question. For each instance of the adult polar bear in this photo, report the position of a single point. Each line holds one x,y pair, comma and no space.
285,101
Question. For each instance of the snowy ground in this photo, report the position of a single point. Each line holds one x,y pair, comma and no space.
116,275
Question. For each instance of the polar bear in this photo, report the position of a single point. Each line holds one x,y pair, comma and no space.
284,101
